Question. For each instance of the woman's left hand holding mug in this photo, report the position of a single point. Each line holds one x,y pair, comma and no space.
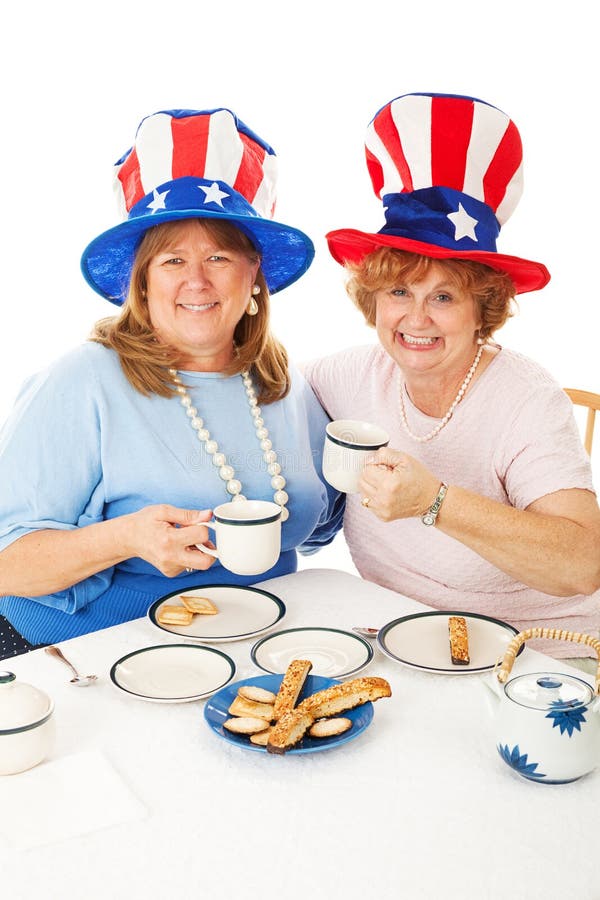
166,537
394,485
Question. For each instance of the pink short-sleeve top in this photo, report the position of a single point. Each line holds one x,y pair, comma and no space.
513,438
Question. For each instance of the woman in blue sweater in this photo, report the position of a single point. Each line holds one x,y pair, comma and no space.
115,455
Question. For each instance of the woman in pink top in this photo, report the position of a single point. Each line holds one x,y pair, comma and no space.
483,500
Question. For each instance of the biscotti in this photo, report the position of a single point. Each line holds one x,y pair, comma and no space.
459,641
289,730
291,685
340,697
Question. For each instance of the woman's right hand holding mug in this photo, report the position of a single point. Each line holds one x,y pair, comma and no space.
397,485
166,537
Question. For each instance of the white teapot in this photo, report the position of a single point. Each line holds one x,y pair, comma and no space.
547,724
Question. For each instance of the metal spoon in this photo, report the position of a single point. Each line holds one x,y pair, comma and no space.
79,680
365,631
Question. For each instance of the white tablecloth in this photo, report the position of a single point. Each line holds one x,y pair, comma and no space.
419,806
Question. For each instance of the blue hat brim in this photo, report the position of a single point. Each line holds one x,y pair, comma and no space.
106,263
349,245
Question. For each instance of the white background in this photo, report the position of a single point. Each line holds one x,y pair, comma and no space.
307,77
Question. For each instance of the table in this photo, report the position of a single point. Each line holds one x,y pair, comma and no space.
419,806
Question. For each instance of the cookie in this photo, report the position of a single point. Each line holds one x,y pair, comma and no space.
174,615
199,605
257,694
329,727
261,738
245,725
243,707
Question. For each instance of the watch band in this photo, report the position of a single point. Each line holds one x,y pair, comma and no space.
429,517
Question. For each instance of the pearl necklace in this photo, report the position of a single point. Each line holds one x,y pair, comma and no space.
435,431
227,472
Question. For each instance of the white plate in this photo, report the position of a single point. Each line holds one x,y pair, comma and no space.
421,641
332,652
243,613
173,673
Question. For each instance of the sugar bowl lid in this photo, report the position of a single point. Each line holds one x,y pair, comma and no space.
549,690
22,706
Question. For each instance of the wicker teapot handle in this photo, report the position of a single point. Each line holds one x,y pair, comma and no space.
554,633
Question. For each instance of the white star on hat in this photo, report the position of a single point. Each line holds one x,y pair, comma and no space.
158,201
463,223
213,193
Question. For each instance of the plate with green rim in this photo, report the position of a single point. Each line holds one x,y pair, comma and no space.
421,641
172,673
242,612
333,652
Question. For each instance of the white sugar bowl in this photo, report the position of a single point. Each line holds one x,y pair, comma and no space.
26,725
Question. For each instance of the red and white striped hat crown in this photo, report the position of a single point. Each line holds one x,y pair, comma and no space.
195,164
449,170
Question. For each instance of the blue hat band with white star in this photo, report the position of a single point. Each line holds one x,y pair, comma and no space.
441,216
190,193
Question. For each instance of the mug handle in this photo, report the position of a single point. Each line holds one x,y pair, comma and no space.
205,549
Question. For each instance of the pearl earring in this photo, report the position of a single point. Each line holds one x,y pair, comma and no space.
252,307
256,289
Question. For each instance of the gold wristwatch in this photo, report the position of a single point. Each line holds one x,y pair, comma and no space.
429,517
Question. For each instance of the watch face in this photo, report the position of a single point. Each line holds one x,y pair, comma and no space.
428,519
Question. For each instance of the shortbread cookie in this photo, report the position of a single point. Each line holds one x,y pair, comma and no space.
243,707
459,641
257,694
245,725
329,727
261,737
174,615
200,605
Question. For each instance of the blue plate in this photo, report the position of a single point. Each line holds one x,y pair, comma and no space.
216,712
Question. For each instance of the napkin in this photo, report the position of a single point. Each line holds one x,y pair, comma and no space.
62,799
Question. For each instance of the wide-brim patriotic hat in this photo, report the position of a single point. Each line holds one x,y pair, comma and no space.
449,170
195,164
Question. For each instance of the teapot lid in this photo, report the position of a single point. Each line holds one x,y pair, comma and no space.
22,706
549,690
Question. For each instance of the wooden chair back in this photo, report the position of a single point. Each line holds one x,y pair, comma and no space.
592,402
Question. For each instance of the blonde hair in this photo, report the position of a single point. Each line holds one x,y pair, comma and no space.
146,361
492,291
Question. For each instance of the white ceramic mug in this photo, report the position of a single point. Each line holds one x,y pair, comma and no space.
348,443
247,535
